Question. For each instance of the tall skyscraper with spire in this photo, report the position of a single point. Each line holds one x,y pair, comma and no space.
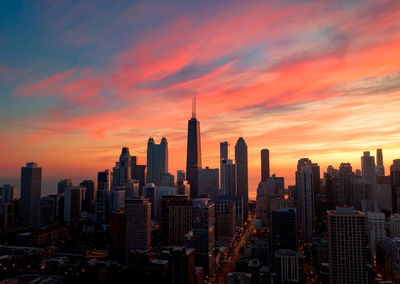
193,160
242,174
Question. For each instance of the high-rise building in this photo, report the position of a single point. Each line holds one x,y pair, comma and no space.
223,156
392,260
208,182
193,159
73,203
224,201
306,187
117,198
395,226
176,219
149,191
48,210
288,266
264,164
104,181
31,183
242,172
157,160
203,226
229,184
376,231
125,167
89,204
380,168
137,225
63,185
117,231
284,229
368,174
347,246
180,176
8,192
225,223
395,181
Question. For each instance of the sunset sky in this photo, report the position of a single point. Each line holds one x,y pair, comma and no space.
80,80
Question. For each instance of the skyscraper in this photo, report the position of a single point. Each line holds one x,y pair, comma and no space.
203,226
157,160
193,159
104,181
73,203
31,183
395,181
90,195
380,168
264,164
368,174
347,246
242,174
223,156
229,183
284,229
63,184
125,166
137,224
8,192
306,185
208,182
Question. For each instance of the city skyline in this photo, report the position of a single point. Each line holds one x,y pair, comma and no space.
323,87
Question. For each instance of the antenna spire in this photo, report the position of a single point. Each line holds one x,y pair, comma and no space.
194,106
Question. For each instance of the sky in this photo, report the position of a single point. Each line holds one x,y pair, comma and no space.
81,79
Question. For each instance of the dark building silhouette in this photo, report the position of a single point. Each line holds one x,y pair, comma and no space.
117,237
31,183
89,204
242,172
193,159
284,229
395,181
223,156
125,167
157,160
104,181
265,164
63,185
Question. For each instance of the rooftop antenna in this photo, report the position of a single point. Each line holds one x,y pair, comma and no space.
194,106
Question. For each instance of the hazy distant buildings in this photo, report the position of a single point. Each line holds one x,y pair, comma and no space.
137,225
208,182
31,183
395,181
63,185
193,159
48,210
242,174
73,198
265,164
157,161
8,192
347,246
